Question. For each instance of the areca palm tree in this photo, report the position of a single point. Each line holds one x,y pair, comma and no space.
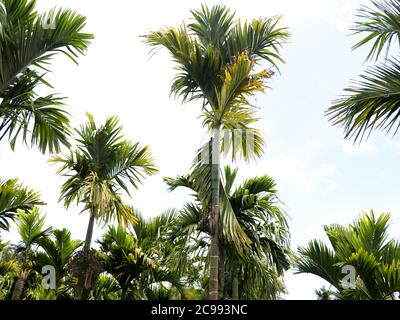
100,170
215,56
257,210
28,41
30,228
373,102
363,253
58,249
13,197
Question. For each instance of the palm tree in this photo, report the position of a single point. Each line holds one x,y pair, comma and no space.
14,197
362,264
256,208
373,102
58,250
215,57
102,167
30,228
28,41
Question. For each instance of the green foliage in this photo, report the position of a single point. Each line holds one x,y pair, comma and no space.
256,211
372,103
14,197
102,167
381,25
30,227
215,58
27,45
137,260
58,249
363,245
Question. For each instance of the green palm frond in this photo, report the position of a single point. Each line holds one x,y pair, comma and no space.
382,25
364,249
30,227
106,288
212,26
372,104
27,44
14,197
58,250
261,38
319,260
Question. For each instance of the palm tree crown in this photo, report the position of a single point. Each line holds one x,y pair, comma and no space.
102,166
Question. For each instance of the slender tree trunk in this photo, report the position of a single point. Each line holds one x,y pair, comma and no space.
89,231
221,271
235,283
86,248
124,293
20,284
214,219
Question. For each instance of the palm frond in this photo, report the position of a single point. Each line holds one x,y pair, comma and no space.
14,197
381,24
27,44
372,104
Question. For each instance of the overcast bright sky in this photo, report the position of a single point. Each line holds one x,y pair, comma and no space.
321,178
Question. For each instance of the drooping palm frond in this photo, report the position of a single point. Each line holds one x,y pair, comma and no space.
14,197
373,103
318,259
382,25
27,44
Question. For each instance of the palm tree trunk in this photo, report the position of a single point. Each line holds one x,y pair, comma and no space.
214,219
89,231
86,248
20,284
235,283
221,272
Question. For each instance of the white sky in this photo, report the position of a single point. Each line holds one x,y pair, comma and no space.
321,178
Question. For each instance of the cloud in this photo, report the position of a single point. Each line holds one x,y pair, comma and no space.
351,149
297,173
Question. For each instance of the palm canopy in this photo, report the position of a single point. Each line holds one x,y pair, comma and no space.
101,168
373,101
28,41
363,245
14,197
215,57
